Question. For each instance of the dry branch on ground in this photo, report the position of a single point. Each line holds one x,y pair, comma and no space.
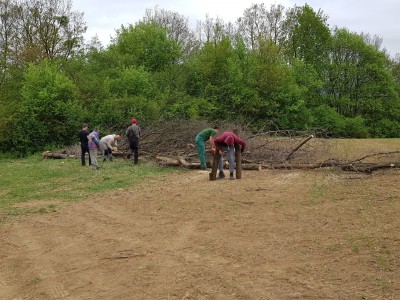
172,143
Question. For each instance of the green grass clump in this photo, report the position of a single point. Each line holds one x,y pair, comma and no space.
36,179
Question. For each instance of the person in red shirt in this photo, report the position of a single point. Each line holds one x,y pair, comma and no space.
226,143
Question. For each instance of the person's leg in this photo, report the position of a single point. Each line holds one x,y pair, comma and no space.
84,151
93,155
90,157
83,155
135,149
201,149
221,164
231,158
110,154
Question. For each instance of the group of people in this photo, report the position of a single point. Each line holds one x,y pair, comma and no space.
225,143
91,142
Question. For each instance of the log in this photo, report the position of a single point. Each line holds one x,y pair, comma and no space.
368,168
251,167
55,155
167,160
187,164
238,159
213,174
297,166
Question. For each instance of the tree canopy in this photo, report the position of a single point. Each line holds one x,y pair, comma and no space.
274,68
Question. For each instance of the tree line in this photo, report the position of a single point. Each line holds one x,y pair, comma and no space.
273,68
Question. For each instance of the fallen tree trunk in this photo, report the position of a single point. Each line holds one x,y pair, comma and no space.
369,168
167,161
55,155
251,167
297,166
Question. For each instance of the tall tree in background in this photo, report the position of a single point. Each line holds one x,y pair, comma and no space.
176,25
147,45
360,82
307,35
44,29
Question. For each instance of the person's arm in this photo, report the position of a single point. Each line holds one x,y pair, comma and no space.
212,142
109,141
212,139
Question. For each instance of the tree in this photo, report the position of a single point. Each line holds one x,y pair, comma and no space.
360,83
40,30
254,25
48,114
147,45
307,35
176,26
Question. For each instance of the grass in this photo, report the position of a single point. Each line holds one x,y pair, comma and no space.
36,179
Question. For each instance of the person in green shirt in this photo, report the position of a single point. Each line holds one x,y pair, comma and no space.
205,135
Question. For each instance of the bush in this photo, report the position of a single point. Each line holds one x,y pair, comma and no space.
48,113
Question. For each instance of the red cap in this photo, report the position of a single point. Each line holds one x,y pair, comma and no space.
134,121
229,140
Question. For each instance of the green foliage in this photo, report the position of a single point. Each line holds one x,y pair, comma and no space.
133,82
48,113
336,125
275,70
147,45
117,112
308,35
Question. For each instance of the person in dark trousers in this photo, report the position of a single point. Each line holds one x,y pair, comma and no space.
83,138
133,134
226,143
106,144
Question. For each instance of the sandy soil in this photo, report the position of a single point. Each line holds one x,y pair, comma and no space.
318,234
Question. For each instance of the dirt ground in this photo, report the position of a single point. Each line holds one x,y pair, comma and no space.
274,234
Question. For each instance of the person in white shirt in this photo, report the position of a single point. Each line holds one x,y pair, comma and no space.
106,144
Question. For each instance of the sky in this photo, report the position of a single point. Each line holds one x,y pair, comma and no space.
378,18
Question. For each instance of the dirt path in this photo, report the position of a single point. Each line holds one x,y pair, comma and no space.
271,235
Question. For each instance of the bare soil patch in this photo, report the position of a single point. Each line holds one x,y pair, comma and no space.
319,234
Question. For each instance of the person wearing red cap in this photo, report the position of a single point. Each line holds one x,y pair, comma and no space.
133,134
226,143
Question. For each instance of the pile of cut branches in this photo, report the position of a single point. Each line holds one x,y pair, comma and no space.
172,143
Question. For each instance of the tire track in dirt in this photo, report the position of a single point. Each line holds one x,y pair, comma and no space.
270,235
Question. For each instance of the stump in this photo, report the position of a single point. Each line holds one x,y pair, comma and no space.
213,174
238,158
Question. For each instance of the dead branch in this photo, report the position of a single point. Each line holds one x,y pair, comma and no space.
368,168
298,147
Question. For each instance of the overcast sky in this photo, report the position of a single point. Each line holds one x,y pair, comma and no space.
379,18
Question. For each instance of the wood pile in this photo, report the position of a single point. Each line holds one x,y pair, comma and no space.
172,144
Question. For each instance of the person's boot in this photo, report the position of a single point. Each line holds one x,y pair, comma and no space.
221,175
231,176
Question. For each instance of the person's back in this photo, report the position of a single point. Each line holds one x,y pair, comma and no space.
82,135
83,138
133,134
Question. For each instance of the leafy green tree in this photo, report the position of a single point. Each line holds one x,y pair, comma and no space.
48,114
307,35
147,45
135,82
360,83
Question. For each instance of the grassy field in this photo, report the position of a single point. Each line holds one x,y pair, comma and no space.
36,179
147,232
